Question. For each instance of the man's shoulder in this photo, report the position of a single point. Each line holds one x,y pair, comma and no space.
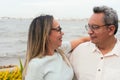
83,47
85,44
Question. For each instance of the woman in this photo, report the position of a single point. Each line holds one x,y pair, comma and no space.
45,59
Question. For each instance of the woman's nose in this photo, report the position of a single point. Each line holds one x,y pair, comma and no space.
62,32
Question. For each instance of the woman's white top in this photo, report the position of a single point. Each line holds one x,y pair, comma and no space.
50,67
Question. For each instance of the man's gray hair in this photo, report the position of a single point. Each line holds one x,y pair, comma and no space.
110,18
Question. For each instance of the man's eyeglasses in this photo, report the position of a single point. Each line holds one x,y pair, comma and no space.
58,29
93,27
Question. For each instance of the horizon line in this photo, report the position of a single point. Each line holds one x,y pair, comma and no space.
5,17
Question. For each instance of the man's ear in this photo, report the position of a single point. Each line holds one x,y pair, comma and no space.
111,29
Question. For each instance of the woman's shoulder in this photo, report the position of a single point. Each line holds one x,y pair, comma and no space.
66,46
35,68
37,62
41,61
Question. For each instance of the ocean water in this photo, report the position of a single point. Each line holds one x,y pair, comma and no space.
14,33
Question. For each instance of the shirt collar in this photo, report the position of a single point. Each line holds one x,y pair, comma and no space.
93,47
115,50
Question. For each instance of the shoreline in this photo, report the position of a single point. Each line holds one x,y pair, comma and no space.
4,61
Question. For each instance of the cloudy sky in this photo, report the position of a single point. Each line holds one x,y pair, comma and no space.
58,8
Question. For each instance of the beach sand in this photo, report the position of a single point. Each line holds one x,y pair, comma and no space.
4,61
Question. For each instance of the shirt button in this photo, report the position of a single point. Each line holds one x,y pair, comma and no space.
101,57
99,69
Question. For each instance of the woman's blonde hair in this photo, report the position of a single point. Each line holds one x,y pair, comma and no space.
38,38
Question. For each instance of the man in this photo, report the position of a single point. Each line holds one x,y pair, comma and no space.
99,59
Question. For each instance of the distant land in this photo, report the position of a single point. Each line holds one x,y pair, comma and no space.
13,18
71,19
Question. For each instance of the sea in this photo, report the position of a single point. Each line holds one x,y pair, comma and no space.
14,33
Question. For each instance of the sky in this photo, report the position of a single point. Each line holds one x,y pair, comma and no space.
63,9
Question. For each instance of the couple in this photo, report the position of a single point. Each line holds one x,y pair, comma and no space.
98,59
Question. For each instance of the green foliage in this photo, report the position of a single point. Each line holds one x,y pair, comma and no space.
21,65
